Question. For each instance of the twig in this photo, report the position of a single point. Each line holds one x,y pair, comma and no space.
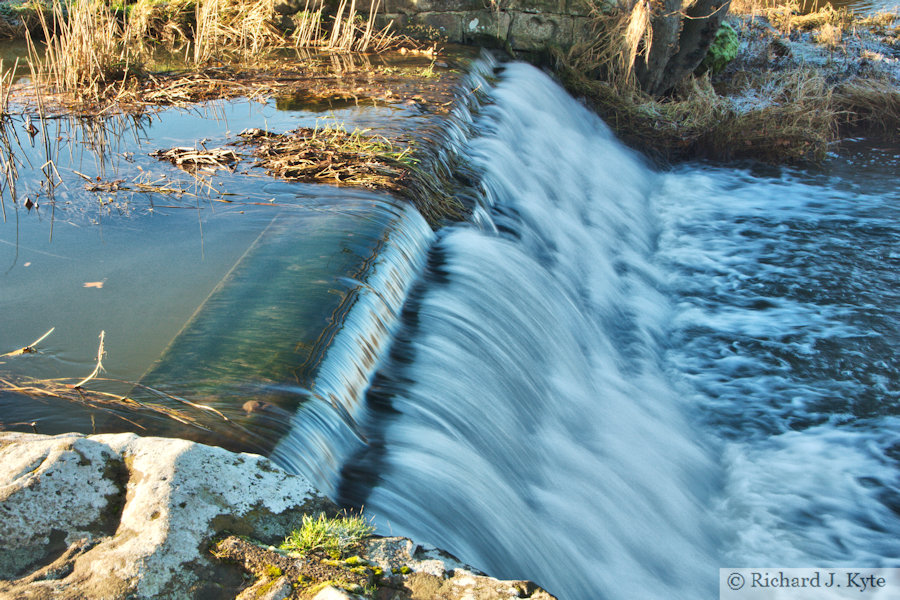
99,366
30,348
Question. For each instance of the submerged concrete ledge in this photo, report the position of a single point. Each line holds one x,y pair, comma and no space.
122,516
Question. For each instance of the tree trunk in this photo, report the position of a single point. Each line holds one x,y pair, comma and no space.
665,20
676,51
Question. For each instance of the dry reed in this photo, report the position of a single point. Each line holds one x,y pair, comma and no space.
76,392
614,47
196,159
330,154
86,52
249,27
7,156
333,155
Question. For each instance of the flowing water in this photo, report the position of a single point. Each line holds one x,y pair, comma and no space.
614,380
624,379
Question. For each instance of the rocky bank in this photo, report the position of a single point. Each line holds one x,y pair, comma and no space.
122,516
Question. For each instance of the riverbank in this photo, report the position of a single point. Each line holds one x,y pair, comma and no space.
797,86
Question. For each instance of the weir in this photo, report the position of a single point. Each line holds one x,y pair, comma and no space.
268,349
524,420
618,380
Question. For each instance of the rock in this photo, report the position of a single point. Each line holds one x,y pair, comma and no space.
333,593
392,568
267,589
120,516
110,516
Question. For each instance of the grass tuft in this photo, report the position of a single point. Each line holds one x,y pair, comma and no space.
332,536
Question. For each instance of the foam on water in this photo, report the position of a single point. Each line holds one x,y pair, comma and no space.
788,321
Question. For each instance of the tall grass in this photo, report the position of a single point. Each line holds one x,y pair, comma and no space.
86,49
250,28
245,26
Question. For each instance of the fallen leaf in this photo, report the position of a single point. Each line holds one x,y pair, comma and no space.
94,284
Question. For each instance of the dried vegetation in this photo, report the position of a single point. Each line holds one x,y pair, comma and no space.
332,154
96,55
768,107
96,398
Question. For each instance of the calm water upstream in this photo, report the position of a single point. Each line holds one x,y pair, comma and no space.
615,380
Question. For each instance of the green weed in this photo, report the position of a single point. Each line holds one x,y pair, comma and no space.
330,536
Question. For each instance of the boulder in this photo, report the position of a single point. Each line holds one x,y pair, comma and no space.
120,516
114,516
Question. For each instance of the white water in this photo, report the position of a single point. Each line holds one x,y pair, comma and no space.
622,380
323,431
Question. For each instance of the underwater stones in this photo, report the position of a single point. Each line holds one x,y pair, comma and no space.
109,516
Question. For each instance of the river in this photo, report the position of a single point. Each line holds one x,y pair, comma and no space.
614,380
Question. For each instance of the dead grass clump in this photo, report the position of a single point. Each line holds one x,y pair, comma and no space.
881,23
798,124
333,155
170,22
869,105
85,53
614,47
839,18
788,15
199,159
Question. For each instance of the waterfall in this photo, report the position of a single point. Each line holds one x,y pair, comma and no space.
525,421
616,380
323,430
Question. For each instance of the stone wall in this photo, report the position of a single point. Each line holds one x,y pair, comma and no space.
529,25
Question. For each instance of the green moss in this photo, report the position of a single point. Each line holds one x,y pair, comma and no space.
272,571
312,591
723,50
264,588
355,560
